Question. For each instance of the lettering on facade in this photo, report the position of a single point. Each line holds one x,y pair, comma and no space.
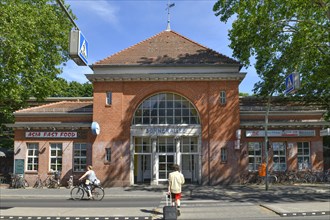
281,133
51,134
165,131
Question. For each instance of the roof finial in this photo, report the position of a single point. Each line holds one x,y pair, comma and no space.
169,5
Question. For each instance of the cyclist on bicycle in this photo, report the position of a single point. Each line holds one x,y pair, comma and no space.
90,179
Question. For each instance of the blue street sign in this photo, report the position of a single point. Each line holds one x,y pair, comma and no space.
83,48
289,83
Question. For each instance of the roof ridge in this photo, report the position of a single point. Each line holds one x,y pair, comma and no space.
131,54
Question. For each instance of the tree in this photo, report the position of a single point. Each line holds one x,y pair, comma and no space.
285,37
72,89
34,38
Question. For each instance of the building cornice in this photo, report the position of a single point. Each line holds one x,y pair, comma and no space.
49,125
166,77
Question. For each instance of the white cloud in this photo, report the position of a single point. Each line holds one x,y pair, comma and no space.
102,9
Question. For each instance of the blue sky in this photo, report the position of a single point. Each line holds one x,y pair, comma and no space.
113,25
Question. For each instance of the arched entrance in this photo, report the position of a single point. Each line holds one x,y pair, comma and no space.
165,130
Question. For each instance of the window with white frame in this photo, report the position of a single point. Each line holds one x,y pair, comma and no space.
166,108
303,155
223,99
109,98
142,145
255,155
32,156
224,156
279,156
189,145
56,156
79,156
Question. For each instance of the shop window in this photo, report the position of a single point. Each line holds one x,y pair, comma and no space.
189,145
166,145
32,156
56,156
109,98
303,155
279,156
79,157
224,155
166,108
223,98
255,155
108,155
142,145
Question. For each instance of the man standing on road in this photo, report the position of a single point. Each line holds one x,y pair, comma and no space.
175,182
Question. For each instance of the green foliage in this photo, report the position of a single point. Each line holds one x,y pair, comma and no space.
72,89
34,38
284,36
243,94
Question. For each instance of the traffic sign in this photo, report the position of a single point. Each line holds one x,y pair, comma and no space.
78,48
83,48
289,83
292,83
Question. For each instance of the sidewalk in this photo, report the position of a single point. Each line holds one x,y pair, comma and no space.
199,202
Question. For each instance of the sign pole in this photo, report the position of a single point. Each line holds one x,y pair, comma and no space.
67,13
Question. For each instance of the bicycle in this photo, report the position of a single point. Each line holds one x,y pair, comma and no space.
38,184
53,180
78,192
18,181
70,182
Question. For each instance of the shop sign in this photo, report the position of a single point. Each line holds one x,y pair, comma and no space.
325,132
281,133
165,131
51,134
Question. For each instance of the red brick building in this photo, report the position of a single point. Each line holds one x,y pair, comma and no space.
162,101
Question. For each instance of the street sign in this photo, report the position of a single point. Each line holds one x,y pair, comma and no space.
292,83
78,48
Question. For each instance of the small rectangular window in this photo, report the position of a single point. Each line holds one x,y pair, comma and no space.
223,155
109,98
223,99
108,155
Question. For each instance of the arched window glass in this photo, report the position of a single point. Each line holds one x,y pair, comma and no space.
166,108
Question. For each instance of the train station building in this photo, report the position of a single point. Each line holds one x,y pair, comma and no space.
162,101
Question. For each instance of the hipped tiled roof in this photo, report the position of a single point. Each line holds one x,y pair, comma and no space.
61,107
167,47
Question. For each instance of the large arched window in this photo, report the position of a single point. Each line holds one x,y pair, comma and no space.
166,108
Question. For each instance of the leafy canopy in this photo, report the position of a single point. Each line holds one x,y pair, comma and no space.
34,38
284,36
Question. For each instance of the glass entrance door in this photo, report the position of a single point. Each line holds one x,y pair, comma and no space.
165,163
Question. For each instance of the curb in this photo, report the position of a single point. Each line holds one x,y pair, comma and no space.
293,214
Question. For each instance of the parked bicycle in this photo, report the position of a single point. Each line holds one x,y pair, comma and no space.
79,191
18,181
70,182
53,180
38,184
